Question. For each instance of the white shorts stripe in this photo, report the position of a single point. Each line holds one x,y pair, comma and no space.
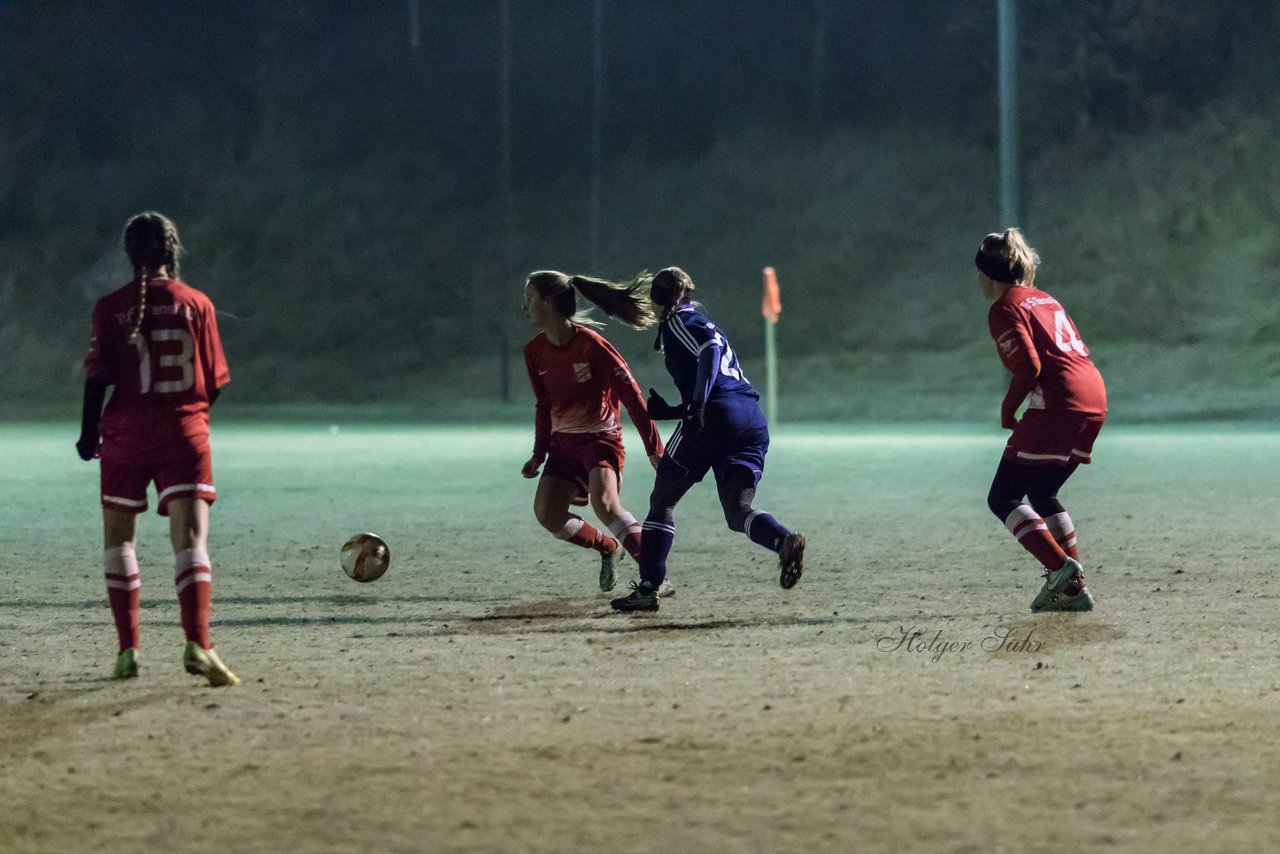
1024,455
188,487
126,502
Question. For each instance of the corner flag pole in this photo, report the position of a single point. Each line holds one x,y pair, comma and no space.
771,308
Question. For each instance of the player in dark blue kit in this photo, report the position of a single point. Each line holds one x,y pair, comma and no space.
721,430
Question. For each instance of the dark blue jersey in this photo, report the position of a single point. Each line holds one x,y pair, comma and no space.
699,357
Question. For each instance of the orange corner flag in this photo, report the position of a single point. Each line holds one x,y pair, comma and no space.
771,308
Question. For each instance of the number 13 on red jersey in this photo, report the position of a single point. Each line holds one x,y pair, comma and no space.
180,360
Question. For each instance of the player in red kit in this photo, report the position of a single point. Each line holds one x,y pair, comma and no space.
581,383
1040,345
155,341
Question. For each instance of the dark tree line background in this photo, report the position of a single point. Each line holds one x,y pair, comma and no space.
341,196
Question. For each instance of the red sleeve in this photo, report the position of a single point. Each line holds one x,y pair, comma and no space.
212,359
542,408
1018,353
617,377
101,361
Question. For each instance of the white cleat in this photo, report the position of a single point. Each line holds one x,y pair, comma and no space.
666,589
1082,601
1055,582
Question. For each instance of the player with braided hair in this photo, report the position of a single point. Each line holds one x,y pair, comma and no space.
581,383
1039,344
155,341
721,430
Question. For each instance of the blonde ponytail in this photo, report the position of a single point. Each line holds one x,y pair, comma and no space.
627,301
1021,253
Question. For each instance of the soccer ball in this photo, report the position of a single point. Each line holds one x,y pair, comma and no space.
365,557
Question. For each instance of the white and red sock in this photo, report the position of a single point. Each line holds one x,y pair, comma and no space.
193,579
579,532
1032,534
627,530
123,584
1063,531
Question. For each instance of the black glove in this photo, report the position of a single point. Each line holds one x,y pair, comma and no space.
87,446
660,410
694,420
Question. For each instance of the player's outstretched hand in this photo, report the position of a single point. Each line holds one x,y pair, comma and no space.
87,447
660,410
530,468
654,459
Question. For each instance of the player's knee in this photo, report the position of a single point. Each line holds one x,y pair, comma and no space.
606,507
1002,503
549,518
1045,504
736,516
660,511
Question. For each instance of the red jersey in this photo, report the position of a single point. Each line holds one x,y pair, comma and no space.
162,378
1040,346
581,387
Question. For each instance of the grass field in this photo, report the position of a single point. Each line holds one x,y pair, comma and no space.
481,696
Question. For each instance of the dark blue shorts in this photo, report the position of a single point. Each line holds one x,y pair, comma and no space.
736,434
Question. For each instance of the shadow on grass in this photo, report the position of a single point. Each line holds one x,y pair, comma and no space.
555,616
373,599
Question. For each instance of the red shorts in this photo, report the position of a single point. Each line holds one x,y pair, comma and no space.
1045,437
186,473
572,456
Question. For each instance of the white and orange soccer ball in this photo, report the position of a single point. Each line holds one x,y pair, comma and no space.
365,557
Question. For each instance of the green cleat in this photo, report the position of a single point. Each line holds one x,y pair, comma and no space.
1055,582
206,663
609,568
126,665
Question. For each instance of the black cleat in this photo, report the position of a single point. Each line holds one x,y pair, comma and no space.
791,560
641,598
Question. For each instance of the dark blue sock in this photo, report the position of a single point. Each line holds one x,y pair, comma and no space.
656,538
764,530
